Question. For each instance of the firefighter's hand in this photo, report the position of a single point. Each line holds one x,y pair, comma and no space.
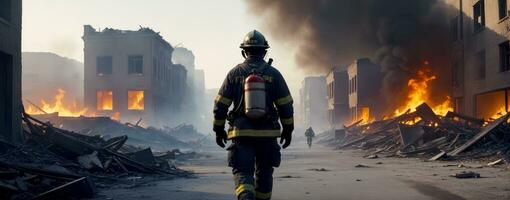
286,138
221,138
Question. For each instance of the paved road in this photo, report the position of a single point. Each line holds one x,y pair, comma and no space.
296,179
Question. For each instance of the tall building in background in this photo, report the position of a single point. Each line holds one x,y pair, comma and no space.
314,102
364,91
481,57
130,74
10,71
337,82
194,99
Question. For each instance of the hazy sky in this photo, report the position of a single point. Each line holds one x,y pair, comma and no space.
213,30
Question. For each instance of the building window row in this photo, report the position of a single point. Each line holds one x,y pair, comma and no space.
104,65
104,100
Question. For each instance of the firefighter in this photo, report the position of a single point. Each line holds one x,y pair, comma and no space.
261,113
309,134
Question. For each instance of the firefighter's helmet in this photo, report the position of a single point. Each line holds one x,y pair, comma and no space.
254,39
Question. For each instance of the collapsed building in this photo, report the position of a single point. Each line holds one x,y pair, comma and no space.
130,75
481,57
338,100
10,71
314,102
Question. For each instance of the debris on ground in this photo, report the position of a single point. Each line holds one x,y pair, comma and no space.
466,174
361,166
319,169
427,135
55,163
288,176
107,128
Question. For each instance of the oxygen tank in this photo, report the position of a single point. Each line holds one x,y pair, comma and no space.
254,97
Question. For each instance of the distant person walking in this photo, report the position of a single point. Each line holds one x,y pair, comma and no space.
309,136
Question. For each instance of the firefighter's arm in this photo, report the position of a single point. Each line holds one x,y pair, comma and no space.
221,104
283,102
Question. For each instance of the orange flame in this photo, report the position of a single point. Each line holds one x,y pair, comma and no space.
499,113
419,93
365,116
104,100
136,100
58,107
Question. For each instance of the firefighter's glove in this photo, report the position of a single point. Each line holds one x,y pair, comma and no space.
221,138
286,137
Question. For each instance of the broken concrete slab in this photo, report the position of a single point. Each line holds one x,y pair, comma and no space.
144,156
90,161
410,134
427,114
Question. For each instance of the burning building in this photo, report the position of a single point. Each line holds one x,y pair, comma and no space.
364,88
338,102
481,57
130,74
10,70
314,102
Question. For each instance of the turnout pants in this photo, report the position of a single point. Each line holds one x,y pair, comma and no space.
250,156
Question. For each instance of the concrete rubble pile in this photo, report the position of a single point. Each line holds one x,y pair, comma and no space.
106,127
424,134
55,163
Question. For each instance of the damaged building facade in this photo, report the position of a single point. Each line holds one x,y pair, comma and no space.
364,88
314,102
130,75
10,70
337,82
481,57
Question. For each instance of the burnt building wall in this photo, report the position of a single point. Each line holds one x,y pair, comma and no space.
337,82
364,90
481,56
133,70
10,70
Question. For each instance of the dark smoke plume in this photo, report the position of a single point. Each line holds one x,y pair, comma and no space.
400,35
